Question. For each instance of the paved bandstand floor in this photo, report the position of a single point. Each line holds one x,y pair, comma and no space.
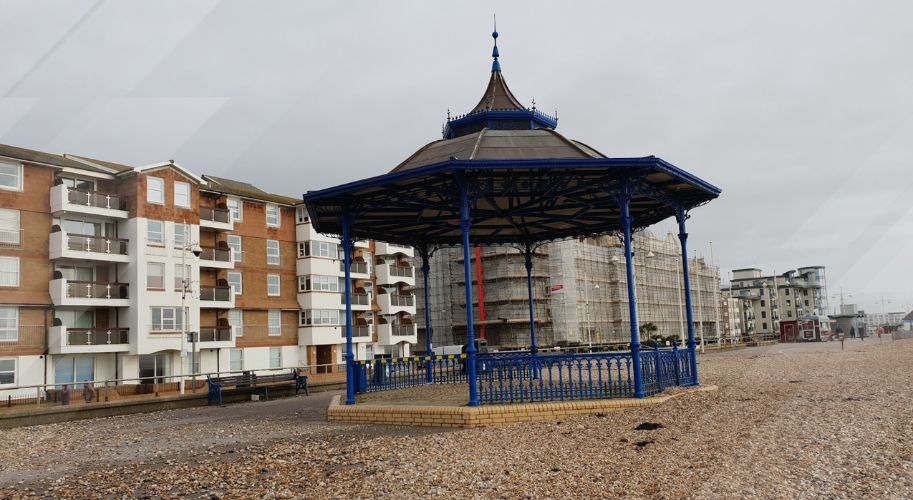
788,421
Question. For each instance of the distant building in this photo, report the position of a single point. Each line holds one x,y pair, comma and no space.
888,321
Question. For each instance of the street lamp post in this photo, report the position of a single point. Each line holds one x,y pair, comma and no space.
197,251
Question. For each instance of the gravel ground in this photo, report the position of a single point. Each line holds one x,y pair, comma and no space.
790,421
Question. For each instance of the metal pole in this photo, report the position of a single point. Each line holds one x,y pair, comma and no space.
426,267
586,298
681,312
465,224
626,220
719,335
184,314
347,263
529,288
683,238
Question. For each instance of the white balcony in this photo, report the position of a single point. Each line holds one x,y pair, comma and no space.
332,334
390,274
357,270
83,293
306,232
216,259
80,247
394,303
217,297
218,219
384,248
69,200
361,244
306,266
319,300
388,334
63,340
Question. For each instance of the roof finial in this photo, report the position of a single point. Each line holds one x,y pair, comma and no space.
495,65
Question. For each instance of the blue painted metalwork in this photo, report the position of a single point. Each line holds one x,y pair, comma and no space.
465,224
681,215
398,373
495,65
426,267
347,264
528,255
624,203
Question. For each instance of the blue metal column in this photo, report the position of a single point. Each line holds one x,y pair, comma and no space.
429,365
465,224
624,201
529,287
347,260
681,216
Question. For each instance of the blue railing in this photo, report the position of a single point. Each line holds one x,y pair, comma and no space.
515,377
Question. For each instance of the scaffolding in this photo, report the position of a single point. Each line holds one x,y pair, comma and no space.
579,293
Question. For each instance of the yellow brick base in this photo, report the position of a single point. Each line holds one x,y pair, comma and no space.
479,416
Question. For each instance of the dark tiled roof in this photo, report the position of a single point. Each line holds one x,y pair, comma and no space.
237,188
909,316
498,96
500,145
31,155
117,167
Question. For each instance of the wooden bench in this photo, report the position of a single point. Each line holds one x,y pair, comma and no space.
258,384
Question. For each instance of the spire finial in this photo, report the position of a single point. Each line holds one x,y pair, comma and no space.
495,65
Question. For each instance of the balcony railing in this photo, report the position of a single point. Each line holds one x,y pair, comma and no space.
215,293
215,334
215,254
96,199
402,330
355,267
96,244
93,290
358,299
97,336
402,300
22,337
215,214
357,331
402,271
10,238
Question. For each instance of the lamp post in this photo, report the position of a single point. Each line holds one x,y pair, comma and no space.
197,251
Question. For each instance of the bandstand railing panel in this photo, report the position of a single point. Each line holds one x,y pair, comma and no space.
518,377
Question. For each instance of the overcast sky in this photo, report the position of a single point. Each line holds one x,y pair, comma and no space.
802,112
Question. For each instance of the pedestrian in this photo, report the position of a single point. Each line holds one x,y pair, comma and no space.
65,395
88,393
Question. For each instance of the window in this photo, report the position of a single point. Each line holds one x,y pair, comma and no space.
166,318
320,249
763,314
235,360
155,190
154,366
234,242
318,283
9,227
272,215
10,176
311,317
86,228
764,326
9,323
181,235
301,215
74,183
763,303
789,314
234,280
179,275
7,371
155,275
806,302
302,250
786,292
155,232
182,194
275,357
272,252
236,208
236,320
272,285
9,271
74,369
274,319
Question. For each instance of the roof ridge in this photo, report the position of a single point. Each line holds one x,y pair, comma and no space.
475,148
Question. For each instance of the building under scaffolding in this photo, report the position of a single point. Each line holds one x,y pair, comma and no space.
579,293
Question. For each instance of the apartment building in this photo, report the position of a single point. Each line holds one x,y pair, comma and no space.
109,271
763,302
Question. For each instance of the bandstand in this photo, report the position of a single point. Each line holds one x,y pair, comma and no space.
502,175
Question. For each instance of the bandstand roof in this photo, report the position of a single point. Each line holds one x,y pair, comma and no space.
527,183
